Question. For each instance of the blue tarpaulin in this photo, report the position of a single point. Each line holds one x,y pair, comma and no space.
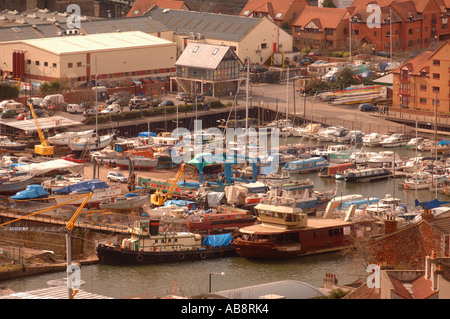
217,240
31,192
82,187
431,204
147,134
189,184
131,195
180,203
444,142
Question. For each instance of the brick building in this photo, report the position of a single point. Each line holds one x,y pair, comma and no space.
424,81
281,12
320,28
415,24
407,248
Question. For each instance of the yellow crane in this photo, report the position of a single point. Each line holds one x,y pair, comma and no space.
44,148
159,197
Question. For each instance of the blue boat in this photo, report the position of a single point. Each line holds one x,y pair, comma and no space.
306,165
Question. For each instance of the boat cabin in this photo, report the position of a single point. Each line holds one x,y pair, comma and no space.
146,237
306,165
332,169
281,216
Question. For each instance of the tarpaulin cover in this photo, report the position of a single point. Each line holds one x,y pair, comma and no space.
444,142
82,187
32,191
147,134
131,195
431,204
217,240
189,184
214,198
178,202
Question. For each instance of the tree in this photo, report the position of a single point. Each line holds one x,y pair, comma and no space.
344,77
55,86
328,4
8,91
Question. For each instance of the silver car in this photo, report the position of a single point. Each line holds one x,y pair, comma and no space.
117,177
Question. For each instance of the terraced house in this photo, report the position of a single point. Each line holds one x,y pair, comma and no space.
404,24
423,83
320,28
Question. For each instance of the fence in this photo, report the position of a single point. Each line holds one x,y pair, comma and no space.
12,253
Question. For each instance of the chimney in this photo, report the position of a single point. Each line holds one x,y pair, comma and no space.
427,216
329,281
390,224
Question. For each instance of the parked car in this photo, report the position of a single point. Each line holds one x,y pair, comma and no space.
383,54
166,103
89,112
367,107
8,114
116,177
21,116
155,102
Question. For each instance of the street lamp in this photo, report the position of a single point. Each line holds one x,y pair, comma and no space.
210,277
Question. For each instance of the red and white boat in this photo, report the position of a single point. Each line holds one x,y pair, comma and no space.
142,160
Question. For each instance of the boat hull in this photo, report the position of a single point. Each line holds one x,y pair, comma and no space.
15,184
95,200
139,163
112,255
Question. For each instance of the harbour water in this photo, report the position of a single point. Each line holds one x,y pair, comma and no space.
192,278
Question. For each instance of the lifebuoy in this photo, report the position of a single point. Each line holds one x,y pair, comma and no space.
202,255
140,258
181,256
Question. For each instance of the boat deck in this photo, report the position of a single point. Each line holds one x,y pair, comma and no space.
313,223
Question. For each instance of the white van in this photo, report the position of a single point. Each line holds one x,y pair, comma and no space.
113,108
19,107
53,99
75,108
35,101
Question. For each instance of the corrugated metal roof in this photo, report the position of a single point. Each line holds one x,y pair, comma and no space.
211,25
289,289
13,32
58,292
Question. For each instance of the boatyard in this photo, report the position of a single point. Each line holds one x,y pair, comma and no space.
253,156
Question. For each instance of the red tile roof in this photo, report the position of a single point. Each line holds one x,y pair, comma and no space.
273,8
140,7
416,64
329,18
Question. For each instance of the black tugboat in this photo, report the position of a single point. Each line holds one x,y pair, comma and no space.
148,245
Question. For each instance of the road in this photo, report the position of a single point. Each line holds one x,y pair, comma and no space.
274,97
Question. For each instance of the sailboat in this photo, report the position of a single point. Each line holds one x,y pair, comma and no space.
91,143
62,139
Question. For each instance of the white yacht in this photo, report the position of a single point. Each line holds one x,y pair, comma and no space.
395,140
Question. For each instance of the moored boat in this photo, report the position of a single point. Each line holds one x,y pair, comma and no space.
360,175
306,165
286,232
148,245
226,217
